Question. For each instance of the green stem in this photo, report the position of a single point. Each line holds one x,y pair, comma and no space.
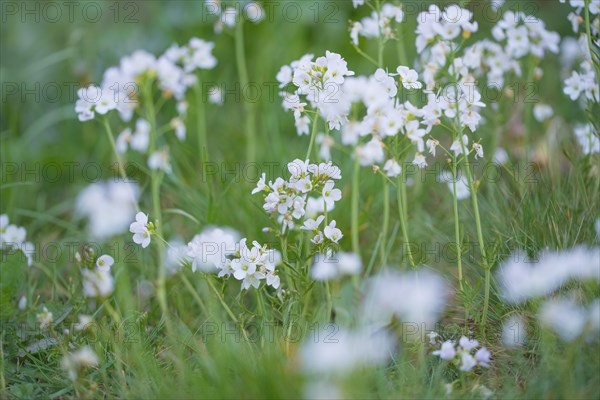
355,204
313,135
386,221
201,124
589,39
482,251
240,57
400,189
456,224
155,181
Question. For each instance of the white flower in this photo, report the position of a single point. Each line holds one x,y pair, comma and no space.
97,283
542,112
332,233
45,318
330,194
82,358
392,168
242,268
446,352
521,279
209,249
468,344
478,150
215,95
312,225
260,185
431,146
409,78
457,147
370,153
139,228
105,262
140,140
415,297
564,316
420,160
355,31
467,362
482,356
328,267
160,160
345,351
109,207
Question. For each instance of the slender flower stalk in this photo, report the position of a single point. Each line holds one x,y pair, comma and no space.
248,106
313,135
401,197
355,204
456,223
386,220
201,124
156,179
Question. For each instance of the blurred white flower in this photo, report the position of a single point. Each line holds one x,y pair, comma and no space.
45,318
329,266
209,249
521,279
109,207
85,357
342,351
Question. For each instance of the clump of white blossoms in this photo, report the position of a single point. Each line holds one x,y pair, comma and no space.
76,361
317,82
253,264
172,72
461,354
302,201
522,279
230,16
378,24
109,207
13,237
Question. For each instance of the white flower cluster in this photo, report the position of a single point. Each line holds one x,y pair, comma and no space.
461,354
108,206
319,83
253,264
45,318
521,279
435,26
208,250
569,319
378,24
219,249
576,18
584,82
231,16
13,237
119,89
290,200
524,34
